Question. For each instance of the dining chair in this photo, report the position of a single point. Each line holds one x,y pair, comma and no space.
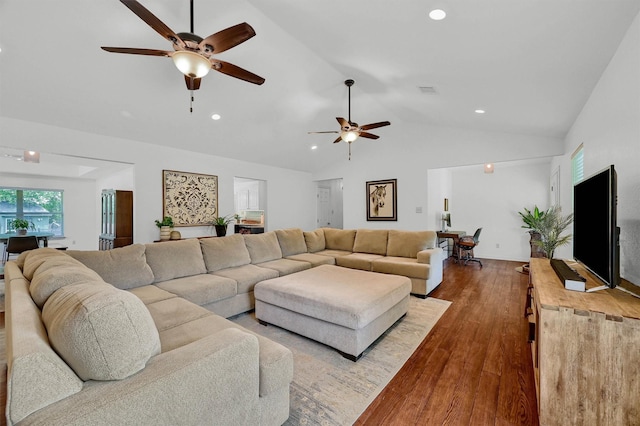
17,245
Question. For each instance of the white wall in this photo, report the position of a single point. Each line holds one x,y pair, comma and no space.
148,162
609,129
492,202
80,208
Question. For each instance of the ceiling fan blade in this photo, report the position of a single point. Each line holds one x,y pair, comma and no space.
237,72
228,38
375,125
368,135
338,140
343,122
151,20
328,131
134,51
192,83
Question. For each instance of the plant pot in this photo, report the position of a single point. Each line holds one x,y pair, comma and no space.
21,231
165,232
221,230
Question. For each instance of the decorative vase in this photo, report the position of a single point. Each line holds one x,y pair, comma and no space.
175,235
221,230
165,232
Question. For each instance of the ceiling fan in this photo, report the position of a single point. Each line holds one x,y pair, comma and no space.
193,55
350,131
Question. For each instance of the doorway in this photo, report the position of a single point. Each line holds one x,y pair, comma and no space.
249,194
329,203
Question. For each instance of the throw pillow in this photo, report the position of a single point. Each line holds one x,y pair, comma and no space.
314,240
291,241
124,267
101,332
222,253
175,259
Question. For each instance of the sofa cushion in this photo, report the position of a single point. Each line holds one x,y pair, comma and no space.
406,266
263,247
32,259
124,267
222,253
314,259
201,289
291,241
372,241
151,294
171,313
333,253
314,240
175,259
247,276
339,239
285,266
357,260
45,283
409,243
103,333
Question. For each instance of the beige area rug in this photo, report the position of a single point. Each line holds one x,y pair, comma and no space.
328,389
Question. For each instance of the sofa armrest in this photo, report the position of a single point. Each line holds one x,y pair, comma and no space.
214,380
429,255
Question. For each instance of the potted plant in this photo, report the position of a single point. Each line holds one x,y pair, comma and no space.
551,226
221,223
21,226
531,219
165,225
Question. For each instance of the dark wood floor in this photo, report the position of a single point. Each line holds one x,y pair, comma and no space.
474,368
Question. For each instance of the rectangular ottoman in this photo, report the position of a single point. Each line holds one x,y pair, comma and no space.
347,309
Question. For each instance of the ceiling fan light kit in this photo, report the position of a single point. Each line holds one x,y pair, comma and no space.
350,131
192,54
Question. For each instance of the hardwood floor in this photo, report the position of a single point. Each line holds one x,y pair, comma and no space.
474,368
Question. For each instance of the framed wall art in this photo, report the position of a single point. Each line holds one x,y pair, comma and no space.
191,199
382,200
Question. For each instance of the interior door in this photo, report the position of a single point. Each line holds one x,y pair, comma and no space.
324,207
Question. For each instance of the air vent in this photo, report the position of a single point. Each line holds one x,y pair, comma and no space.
428,89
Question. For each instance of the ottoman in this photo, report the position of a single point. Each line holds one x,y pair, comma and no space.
347,309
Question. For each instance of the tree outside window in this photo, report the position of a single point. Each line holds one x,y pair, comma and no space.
42,207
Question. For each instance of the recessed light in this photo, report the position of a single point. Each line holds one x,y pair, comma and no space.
314,147
480,111
437,14
215,117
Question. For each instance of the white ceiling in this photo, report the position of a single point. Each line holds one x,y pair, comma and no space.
530,64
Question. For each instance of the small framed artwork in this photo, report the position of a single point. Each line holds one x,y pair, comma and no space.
190,199
382,200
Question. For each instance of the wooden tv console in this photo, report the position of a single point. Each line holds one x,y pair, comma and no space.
586,351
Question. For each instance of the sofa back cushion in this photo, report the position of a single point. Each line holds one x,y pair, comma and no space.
291,241
175,259
58,272
372,241
263,247
102,333
124,267
409,243
339,239
31,260
224,252
314,240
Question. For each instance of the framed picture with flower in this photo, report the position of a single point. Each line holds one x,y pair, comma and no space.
190,199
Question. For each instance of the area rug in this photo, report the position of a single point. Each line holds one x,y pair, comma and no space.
328,389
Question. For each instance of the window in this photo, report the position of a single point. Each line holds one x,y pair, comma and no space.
577,165
41,207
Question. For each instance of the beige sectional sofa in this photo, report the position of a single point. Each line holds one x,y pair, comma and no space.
139,335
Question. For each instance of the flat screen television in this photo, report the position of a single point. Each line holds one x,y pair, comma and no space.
596,236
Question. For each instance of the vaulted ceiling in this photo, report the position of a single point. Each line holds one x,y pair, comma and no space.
530,65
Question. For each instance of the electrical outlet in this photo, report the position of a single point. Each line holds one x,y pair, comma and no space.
497,245
418,209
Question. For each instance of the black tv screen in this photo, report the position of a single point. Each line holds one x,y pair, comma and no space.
595,232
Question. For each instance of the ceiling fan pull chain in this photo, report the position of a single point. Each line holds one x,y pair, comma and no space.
349,150
191,103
